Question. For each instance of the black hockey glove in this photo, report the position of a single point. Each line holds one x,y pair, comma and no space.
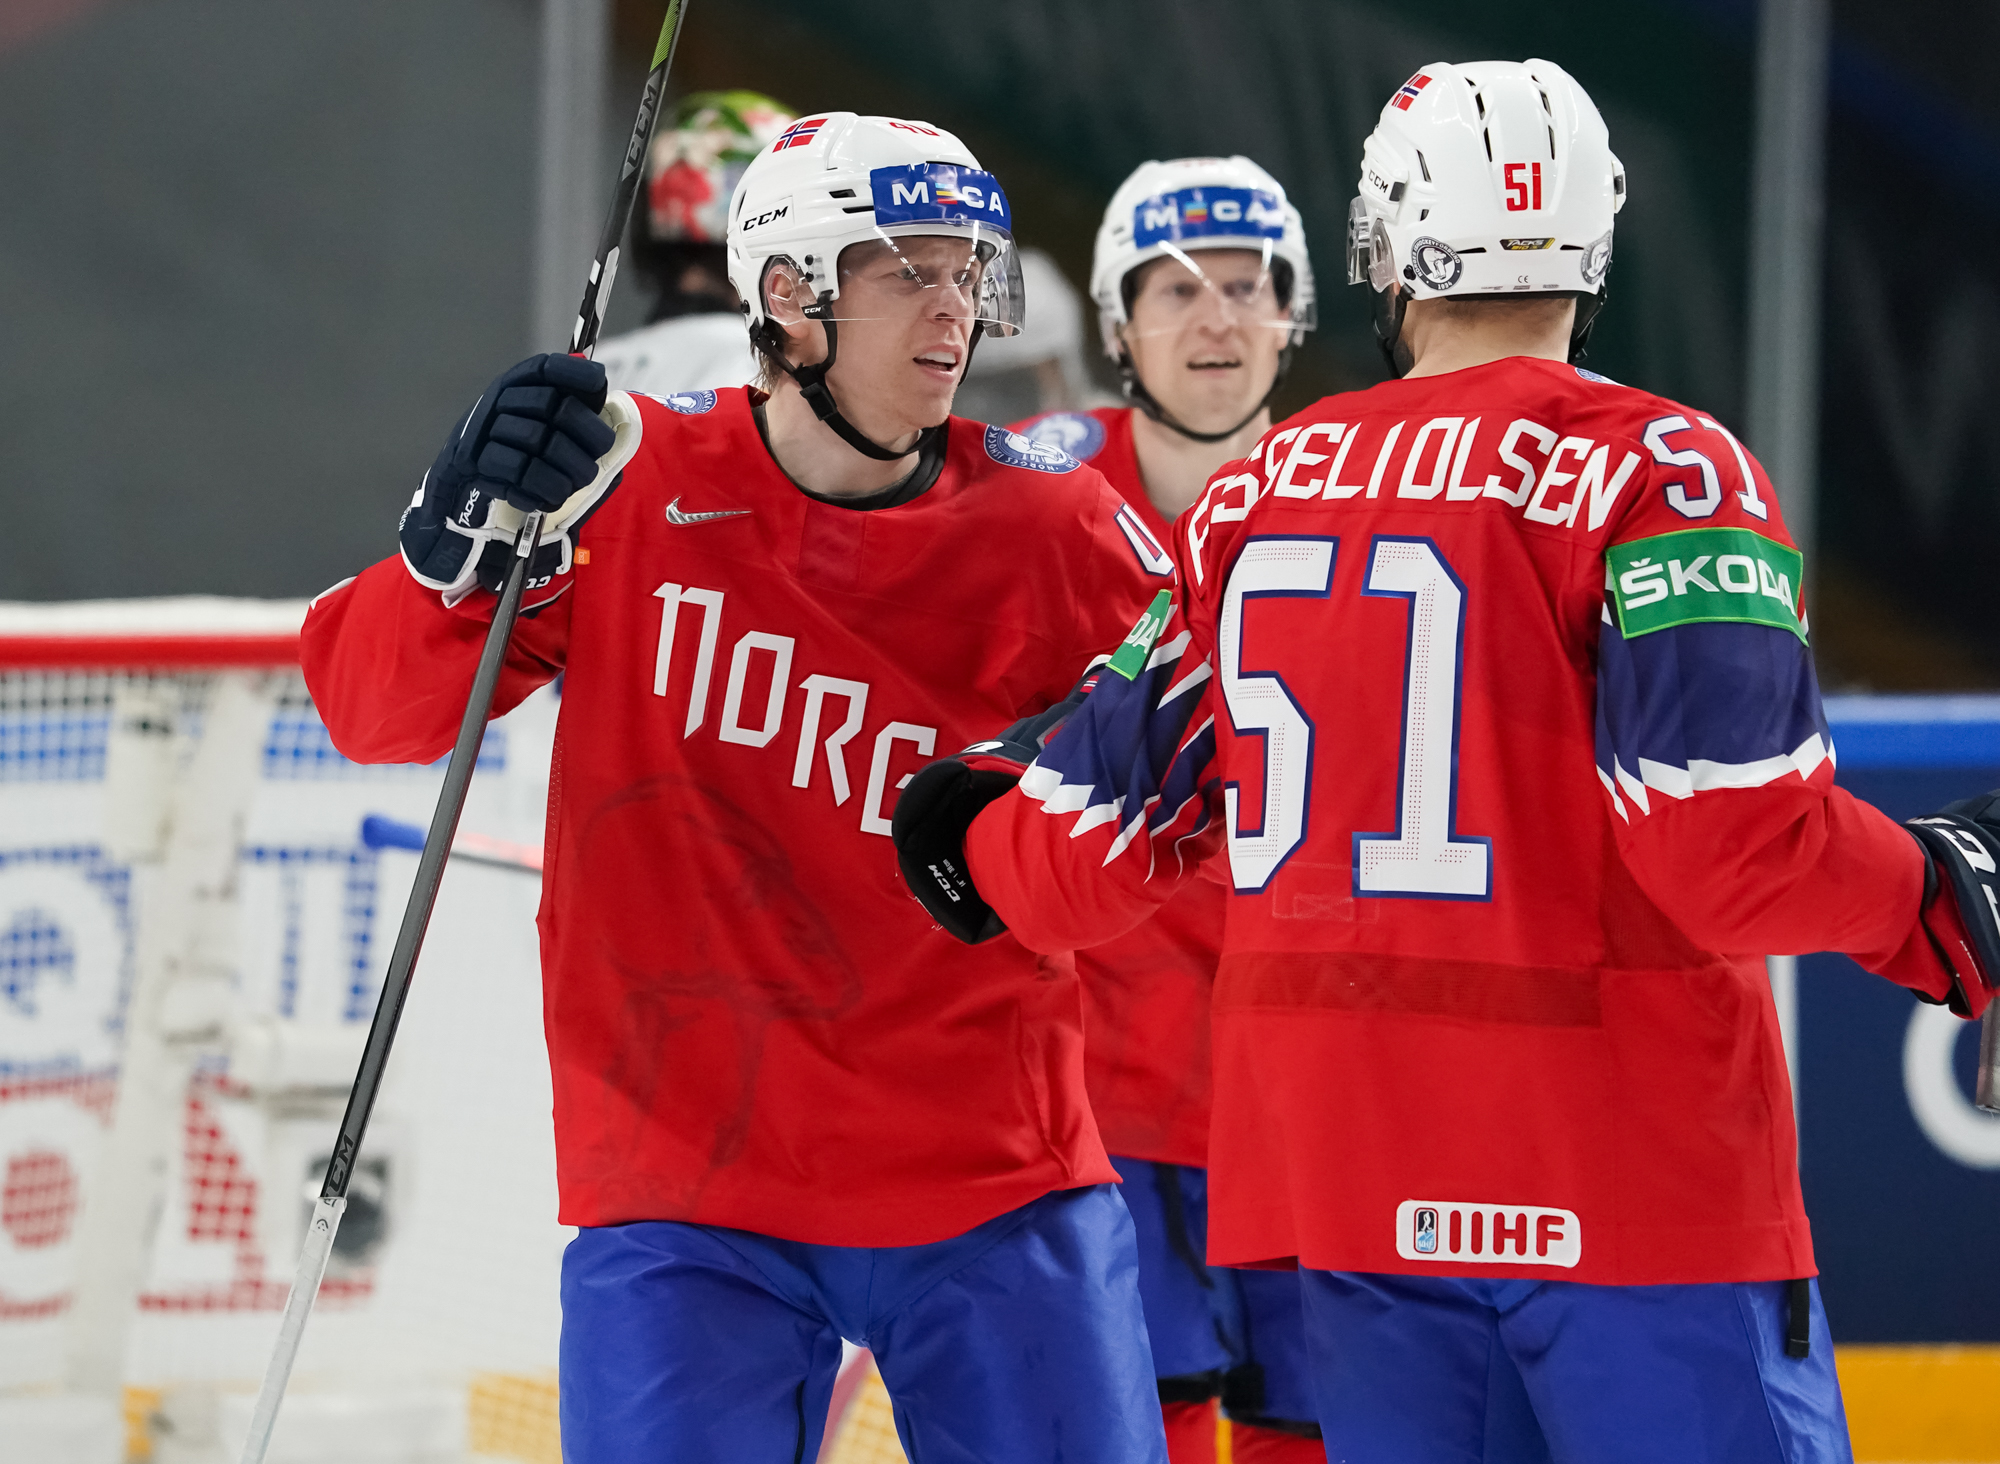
532,441
1961,844
940,803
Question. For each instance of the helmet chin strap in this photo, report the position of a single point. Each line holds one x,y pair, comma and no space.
818,395
1136,393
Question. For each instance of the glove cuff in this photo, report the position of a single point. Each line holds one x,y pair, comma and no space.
1962,917
446,556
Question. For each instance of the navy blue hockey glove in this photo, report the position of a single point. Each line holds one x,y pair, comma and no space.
534,440
1961,914
940,803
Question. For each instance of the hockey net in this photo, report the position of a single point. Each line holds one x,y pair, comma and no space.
192,935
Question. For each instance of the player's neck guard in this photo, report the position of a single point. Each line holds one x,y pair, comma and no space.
1145,401
819,396
1392,305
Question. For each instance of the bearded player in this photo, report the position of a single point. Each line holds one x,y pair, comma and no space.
1492,684
1203,288
788,1109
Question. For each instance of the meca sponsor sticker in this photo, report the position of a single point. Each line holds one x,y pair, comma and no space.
1207,212
1700,575
923,193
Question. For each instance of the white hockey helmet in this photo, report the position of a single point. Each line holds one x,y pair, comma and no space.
1176,209
1184,205
837,179
1486,179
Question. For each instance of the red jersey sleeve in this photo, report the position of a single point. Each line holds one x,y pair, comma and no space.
389,666
1711,740
1122,807
1119,576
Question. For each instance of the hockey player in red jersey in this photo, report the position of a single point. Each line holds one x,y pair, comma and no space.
1488,696
1203,288
788,1109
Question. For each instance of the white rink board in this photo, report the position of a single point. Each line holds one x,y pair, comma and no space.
465,1276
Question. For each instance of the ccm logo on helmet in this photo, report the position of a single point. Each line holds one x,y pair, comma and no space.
767,217
1465,1231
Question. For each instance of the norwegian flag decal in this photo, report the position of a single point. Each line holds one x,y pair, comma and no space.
798,134
1407,92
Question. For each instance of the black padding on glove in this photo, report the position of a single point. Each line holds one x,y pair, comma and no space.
1961,843
929,826
532,440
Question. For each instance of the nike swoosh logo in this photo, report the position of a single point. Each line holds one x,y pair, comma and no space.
676,516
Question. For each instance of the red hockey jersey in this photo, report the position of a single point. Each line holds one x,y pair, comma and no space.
1493,690
750,1022
1146,994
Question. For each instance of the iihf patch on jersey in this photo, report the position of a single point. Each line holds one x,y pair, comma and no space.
1589,375
1462,1231
1012,450
690,403
1437,264
1077,433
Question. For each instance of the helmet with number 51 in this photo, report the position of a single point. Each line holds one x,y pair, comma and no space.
1484,180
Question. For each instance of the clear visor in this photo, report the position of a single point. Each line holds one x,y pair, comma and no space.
969,273
1224,290
1368,255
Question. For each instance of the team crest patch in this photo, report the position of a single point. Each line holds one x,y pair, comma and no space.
690,403
1437,264
1588,375
1076,433
1596,260
1012,450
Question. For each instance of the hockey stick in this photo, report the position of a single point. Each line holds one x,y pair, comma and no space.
325,1222
1986,1089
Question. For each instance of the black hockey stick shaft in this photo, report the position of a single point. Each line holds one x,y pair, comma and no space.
631,174
471,730
430,866
1986,1087
396,981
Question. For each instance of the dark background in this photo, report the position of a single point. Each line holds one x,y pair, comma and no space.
1880,1194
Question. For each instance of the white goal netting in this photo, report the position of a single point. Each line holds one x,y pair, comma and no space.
193,932
202,925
